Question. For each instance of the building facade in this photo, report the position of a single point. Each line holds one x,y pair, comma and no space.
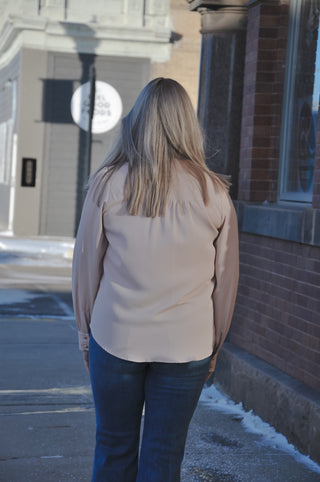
47,49
259,104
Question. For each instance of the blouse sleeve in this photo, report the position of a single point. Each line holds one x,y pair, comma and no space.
87,267
226,274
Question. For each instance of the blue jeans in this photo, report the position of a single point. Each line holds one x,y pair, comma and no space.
170,392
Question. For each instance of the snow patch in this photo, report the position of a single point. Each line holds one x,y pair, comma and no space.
8,297
216,400
34,260
51,457
41,245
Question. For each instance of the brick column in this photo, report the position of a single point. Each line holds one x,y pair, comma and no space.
264,75
316,181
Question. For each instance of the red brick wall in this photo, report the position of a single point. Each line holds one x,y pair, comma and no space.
316,185
262,102
277,315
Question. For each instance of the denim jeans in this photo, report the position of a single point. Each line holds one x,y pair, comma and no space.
170,392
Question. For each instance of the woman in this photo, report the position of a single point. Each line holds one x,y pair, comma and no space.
155,276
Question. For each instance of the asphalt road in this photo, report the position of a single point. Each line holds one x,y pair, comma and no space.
46,409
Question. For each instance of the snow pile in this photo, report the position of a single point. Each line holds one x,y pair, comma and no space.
216,400
8,297
45,250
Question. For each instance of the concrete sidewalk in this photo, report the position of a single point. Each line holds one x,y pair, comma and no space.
46,408
47,418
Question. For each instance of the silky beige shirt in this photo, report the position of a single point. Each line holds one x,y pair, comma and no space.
156,289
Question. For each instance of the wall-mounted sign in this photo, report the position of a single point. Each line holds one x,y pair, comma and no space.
107,107
28,174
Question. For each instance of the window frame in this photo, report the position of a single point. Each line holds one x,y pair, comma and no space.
285,196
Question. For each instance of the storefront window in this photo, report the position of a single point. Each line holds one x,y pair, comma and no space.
301,102
3,137
6,133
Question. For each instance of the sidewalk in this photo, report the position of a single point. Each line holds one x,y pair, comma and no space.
46,408
47,418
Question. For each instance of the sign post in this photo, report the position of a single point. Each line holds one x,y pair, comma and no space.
92,93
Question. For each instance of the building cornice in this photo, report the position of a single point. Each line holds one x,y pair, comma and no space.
215,4
223,20
221,15
72,37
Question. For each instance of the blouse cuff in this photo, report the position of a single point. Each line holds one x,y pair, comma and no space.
83,341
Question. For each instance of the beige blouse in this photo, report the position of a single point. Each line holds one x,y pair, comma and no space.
156,289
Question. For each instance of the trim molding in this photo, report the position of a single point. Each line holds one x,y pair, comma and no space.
297,224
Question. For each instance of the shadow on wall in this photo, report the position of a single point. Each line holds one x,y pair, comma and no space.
57,94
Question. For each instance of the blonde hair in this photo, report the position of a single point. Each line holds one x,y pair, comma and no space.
160,129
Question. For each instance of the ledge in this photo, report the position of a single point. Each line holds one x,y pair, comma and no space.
215,4
290,406
75,37
298,224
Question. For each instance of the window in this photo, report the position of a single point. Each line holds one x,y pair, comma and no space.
301,102
5,150
6,133
3,139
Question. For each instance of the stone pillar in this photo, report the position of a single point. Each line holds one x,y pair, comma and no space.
223,30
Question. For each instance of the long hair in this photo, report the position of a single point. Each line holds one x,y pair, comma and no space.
161,129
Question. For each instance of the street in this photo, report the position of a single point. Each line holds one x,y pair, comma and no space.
47,413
